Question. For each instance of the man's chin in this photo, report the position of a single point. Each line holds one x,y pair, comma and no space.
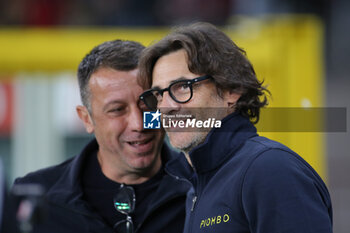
144,163
180,140
185,141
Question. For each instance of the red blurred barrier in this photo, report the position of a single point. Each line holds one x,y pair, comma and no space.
6,107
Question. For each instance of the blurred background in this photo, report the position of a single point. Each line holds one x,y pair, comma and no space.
299,47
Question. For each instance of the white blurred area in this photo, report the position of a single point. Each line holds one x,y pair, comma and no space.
45,120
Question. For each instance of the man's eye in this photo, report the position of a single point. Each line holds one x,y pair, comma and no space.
116,109
182,86
185,86
157,94
142,106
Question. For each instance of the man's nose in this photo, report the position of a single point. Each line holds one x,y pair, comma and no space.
135,121
167,104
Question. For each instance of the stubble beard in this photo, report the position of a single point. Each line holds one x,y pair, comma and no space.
186,147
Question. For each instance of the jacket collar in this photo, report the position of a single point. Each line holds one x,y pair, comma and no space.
68,190
221,143
177,165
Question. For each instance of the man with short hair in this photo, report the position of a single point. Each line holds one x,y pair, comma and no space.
244,183
123,179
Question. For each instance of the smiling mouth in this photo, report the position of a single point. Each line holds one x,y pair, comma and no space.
140,142
142,146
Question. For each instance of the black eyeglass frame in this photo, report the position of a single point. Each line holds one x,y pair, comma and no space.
189,82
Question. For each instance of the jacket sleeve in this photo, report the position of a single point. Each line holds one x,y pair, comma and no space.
281,193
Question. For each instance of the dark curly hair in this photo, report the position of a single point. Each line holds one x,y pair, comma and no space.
211,52
120,55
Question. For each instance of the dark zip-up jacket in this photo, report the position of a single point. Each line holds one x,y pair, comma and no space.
69,213
250,184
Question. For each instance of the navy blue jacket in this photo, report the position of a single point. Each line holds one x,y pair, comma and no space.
250,184
69,213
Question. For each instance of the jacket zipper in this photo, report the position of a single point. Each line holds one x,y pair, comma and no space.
194,199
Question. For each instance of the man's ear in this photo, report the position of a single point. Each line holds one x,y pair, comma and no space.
85,117
231,98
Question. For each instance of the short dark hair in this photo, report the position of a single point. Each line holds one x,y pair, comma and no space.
211,52
117,54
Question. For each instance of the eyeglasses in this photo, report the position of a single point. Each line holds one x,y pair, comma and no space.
124,202
180,91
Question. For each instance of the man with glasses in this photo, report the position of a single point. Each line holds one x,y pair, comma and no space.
244,182
123,180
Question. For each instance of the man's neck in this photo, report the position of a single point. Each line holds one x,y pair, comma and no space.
113,171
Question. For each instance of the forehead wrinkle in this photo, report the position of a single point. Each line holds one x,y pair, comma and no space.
112,86
104,83
102,77
173,81
173,65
